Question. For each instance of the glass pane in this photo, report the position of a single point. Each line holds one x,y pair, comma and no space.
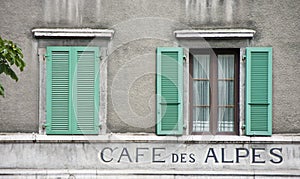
201,93
225,66
226,122
226,93
201,66
200,119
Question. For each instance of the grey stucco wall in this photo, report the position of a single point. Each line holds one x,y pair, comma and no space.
140,27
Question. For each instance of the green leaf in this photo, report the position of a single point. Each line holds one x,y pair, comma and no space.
10,55
12,74
1,90
1,68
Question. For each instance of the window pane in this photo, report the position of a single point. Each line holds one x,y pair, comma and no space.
225,93
201,93
226,122
200,119
225,66
201,66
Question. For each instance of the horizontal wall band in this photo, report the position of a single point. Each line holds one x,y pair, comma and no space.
215,33
93,172
147,138
64,32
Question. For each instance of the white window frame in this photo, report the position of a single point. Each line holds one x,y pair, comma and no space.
103,36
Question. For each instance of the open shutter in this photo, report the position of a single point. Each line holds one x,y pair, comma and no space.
259,91
169,91
58,90
85,90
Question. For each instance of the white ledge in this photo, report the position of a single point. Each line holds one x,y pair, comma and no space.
91,173
215,33
61,32
148,138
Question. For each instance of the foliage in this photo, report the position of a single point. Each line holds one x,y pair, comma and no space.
10,55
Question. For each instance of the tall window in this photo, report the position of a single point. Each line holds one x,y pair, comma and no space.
214,91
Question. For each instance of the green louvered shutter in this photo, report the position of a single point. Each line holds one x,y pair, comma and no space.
58,90
86,90
259,91
169,91
72,90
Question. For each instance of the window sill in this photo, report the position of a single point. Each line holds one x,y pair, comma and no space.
149,138
148,173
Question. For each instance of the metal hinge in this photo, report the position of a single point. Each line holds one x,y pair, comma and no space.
244,58
45,56
184,58
45,125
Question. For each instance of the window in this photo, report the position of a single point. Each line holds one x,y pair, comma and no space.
214,87
213,91
72,90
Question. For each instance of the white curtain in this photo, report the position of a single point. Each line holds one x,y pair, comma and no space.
201,64
226,93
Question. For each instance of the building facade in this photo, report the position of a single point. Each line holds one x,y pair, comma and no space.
172,89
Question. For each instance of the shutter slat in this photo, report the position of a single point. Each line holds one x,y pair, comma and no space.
259,91
169,91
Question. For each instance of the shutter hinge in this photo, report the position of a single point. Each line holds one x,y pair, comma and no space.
45,56
244,58
184,58
45,125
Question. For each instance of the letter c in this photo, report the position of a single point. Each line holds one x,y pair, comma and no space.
102,154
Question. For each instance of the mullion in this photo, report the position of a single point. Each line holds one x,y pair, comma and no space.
214,93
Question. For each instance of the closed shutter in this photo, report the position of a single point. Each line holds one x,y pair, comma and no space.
259,91
72,90
86,90
169,91
58,90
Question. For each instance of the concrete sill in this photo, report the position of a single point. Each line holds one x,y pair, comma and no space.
215,33
64,32
118,173
115,138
